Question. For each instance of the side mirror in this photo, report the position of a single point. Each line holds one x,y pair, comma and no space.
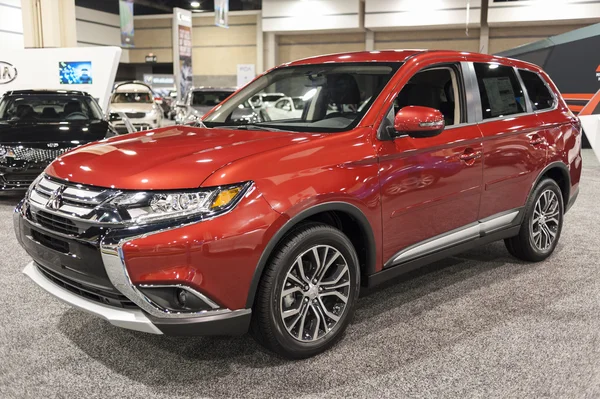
180,104
419,122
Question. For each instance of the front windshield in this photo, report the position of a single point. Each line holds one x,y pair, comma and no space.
209,98
320,98
46,108
132,98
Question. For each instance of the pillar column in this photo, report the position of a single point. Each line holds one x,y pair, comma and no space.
272,58
370,40
484,35
49,23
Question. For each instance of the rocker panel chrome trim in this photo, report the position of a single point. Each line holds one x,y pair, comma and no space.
455,237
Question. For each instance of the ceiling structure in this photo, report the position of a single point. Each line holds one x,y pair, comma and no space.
149,7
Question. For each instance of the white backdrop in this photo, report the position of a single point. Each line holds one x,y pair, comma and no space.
38,69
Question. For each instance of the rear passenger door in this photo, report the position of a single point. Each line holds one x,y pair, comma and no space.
514,147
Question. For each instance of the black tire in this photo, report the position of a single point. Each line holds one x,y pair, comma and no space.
267,325
523,246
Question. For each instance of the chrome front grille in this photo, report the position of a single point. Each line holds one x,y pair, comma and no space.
135,114
69,209
34,154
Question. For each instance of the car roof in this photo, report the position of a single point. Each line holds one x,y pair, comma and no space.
46,91
403,56
211,88
129,87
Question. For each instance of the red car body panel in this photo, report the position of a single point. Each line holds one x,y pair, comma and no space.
405,188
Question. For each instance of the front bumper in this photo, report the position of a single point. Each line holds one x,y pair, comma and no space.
230,323
94,278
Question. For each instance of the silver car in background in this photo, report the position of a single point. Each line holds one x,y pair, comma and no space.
198,101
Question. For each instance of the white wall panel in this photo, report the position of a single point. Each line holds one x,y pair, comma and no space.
96,28
307,15
544,12
11,24
410,14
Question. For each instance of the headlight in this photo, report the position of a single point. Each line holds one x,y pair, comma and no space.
151,207
6,152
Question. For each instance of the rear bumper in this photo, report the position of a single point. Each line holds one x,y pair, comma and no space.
230,323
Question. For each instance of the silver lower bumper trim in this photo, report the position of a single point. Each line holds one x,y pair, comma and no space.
132,319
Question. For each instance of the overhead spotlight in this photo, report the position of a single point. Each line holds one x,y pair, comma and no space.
195,4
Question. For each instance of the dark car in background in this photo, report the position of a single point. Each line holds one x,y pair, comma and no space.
36,126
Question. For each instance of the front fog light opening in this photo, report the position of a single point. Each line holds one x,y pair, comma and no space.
177,298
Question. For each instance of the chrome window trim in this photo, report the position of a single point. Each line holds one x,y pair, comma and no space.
500,118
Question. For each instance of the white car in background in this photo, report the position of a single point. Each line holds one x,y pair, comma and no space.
136,101
286,108
265,100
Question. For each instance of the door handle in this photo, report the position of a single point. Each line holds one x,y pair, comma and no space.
470,157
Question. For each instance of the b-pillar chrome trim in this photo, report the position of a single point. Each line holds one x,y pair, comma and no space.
456,237
114,263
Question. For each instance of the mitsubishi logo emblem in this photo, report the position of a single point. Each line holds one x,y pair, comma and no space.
55,200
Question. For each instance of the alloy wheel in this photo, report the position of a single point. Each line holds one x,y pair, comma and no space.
315,292
545,221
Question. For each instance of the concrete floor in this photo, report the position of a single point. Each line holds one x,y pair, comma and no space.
477,325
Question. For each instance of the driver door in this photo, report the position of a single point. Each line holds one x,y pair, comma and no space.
430,186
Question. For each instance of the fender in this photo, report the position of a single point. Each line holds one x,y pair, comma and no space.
324,207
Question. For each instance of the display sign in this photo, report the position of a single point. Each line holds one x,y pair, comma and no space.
222,13
8,72
126,22
75,72
151,58
182,50
92,69
245,74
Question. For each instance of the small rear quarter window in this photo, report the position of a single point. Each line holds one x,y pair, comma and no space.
539,94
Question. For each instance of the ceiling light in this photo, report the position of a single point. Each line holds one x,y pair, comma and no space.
195,4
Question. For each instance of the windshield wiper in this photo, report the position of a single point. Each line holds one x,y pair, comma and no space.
255,127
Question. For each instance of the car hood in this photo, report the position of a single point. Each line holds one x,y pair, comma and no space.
130,107
40,134
178,157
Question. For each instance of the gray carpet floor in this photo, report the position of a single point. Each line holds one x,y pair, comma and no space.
476,325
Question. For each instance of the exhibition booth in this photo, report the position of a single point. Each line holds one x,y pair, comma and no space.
299,198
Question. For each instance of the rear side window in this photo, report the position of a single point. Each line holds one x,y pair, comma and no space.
500,90
540,96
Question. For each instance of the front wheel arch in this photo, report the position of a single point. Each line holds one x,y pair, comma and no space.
305,215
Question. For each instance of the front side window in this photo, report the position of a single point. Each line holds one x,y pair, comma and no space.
47,108
435,88
326,97
538,92
500,91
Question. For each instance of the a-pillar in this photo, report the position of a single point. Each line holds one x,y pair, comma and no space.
49,23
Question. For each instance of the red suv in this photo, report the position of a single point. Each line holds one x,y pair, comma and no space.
398,159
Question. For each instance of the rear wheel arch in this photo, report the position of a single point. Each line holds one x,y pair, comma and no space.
558,172
342,215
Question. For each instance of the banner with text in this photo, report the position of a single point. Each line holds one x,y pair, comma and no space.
182,50
222,13
126,19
